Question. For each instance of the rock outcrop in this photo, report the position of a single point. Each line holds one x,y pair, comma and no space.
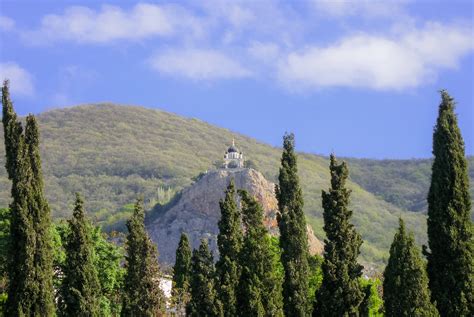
197,212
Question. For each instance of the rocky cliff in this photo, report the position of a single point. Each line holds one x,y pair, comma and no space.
197,212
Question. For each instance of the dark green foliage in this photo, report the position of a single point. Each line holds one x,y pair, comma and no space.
405,286
450,259
4,247
142,293
21,250
372,305
229,241
204,301
80,290
293,236
340,293
12,131
181,275
41,222
30,274
259,290
111,164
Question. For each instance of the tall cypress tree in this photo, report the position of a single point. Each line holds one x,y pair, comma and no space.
229,241
450,259
181,275
12,131
80,290
259,292
293,236
30,289
340,293
405,285
204,301
21,286
142,293
41,217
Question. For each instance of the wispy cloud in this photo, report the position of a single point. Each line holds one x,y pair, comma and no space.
265,52
393,62
21,81
111,23
6,23
365,8
284,42
198,64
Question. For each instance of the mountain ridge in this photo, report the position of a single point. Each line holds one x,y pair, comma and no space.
113,153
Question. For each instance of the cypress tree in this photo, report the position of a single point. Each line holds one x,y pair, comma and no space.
405,285
260,292
80,290
142,293
293,236
204,301
30,289
181,275
340,293
41,217
20,252
229,241
12,131
450,259
21,286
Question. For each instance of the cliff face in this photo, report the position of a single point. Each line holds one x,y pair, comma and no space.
197,211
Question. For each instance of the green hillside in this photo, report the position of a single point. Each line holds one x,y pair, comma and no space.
112,154
403,183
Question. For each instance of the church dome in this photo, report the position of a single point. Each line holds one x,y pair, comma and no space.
232,149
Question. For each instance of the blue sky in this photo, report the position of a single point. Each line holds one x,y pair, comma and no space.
357,78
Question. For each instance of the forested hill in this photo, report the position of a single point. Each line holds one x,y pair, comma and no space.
112,154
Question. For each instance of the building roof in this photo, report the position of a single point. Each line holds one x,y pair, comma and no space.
232,148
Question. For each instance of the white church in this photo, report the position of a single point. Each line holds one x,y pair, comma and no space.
233,158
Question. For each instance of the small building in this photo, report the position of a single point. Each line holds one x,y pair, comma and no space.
233,158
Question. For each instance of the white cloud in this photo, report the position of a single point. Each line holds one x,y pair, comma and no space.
280,41
264,51
6,23
110,23
21,82
198,64
393,62
366,8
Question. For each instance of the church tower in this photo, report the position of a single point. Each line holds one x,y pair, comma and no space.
233,158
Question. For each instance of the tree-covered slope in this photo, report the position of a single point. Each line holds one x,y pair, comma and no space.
403,183
112,154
